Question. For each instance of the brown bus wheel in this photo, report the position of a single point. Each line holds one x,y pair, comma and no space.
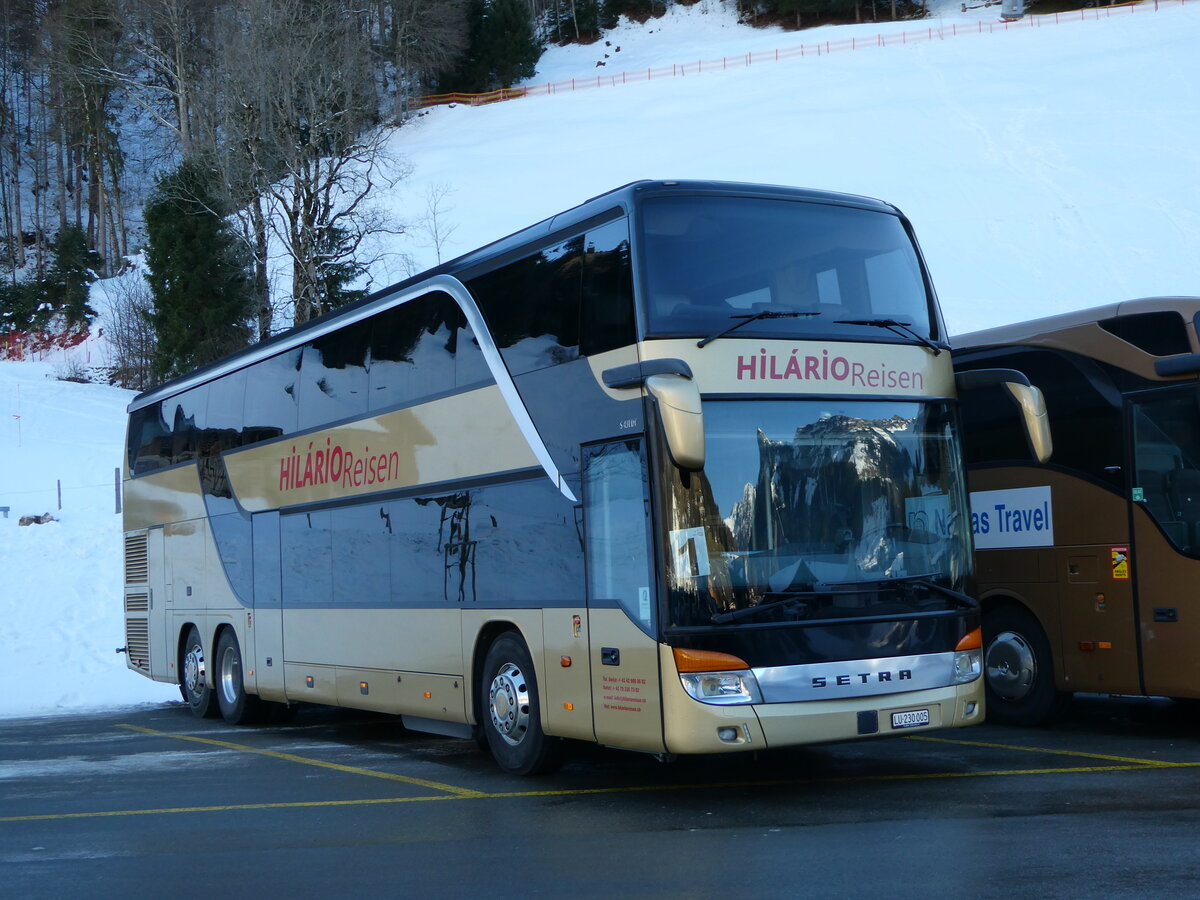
193,681
511,710
1018,669
237,707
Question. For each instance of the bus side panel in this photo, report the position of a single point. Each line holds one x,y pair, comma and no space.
1069,586
626,683
567,684
322,643
1170,613
265,636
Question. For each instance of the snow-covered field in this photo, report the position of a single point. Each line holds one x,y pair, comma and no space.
1045,169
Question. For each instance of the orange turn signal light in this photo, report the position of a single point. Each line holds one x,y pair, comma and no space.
706,661
972,640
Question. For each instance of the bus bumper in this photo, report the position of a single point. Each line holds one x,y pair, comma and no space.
694,727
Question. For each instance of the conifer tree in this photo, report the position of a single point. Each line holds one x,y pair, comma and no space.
198,275
502,47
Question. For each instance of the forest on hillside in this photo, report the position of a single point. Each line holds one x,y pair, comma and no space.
267,116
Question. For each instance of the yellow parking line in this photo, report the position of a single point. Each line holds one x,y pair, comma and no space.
291,757
582,792
1080,753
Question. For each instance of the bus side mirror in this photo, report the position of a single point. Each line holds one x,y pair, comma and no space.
1033,413
1029,401
677,400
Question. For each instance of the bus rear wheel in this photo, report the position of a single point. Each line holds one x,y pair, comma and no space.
194,682
511,710
1018,669
237,707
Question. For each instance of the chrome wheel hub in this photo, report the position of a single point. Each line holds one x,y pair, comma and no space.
508,704
228,675
1011,666
193,671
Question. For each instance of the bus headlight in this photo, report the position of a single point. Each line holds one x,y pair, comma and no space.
723,688
968,657
718,678
967,665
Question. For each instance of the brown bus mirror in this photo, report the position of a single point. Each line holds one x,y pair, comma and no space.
677,400
1028,398
1033,413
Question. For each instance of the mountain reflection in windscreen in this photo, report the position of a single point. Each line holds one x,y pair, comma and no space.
807,506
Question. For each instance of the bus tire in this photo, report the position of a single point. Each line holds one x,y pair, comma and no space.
237,707
193,684
511,710
1018,669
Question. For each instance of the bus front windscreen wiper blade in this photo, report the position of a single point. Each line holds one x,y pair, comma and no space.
904,329
754,317
789,602
921,581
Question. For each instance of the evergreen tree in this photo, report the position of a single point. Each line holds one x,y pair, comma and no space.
198,275
502,48
74,268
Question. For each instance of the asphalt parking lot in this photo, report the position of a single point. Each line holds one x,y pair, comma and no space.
1105,803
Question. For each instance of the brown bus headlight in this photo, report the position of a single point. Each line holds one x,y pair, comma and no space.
717,678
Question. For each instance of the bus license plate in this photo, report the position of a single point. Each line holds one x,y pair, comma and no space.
910,719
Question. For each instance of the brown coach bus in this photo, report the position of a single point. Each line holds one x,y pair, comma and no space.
1087,565
677,470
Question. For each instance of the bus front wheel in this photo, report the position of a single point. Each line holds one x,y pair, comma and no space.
1018,669
237,707
511,713
194,681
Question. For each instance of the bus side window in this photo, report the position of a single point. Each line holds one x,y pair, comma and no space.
271,397
413,351
606,310
334,383
532,306
149,439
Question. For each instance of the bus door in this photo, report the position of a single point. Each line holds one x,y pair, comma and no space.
265,637
626,695
1165,430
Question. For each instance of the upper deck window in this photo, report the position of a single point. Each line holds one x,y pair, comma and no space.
1157,333
710,258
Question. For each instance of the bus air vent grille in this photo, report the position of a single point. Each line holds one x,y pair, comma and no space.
137,643
137,570
138,602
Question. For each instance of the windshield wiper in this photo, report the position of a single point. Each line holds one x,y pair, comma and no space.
904,329
754,317
922,581
790,601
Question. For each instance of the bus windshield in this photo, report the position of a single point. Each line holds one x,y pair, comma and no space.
811,510
711,261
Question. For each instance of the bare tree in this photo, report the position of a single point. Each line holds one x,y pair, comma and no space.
297,117
434,223
130,333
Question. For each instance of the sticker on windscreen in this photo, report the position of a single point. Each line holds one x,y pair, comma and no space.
690,550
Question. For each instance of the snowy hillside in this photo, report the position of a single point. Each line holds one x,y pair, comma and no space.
1045,169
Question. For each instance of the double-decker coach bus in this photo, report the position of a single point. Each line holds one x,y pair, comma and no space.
1087,564
676,470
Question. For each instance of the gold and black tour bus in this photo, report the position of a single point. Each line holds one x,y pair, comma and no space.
677,470
1086,565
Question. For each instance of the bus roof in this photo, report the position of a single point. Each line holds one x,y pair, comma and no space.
1037,330
594,211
